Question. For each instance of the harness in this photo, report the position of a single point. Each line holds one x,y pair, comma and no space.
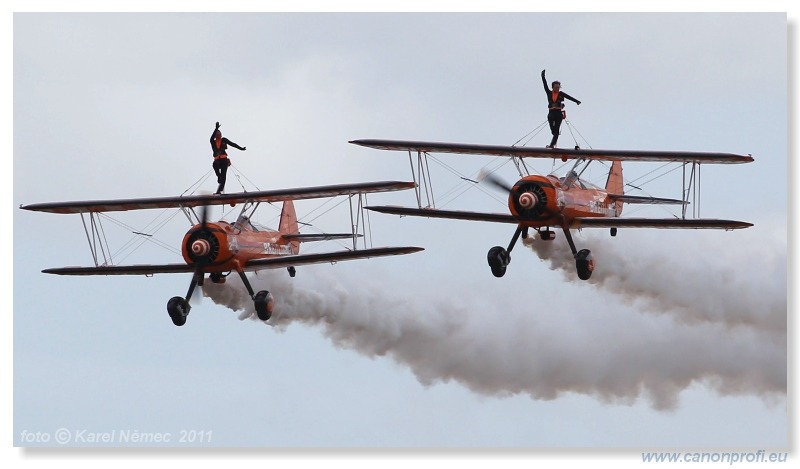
556,102
219,149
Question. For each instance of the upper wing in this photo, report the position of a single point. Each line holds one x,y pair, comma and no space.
452,214
685,223
257,264
566,154
236,198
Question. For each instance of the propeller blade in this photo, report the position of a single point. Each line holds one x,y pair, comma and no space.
495,181
203,217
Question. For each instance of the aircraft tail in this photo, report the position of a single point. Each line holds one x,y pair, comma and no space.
615,185
288,225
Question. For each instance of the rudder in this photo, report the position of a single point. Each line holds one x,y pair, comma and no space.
288,224
615,185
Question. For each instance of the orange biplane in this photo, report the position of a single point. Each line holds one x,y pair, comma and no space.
219,248
541,202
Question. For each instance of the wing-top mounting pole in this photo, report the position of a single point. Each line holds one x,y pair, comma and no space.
520,164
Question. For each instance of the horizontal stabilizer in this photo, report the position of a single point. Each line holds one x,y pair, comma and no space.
451,214
639,199
336,256
675,223
319,237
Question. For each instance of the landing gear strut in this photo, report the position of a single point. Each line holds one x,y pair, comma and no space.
177,307
262,300
499,258
584,263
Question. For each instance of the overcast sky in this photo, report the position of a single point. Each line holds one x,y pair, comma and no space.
679,341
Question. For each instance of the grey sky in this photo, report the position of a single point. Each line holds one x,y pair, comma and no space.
121,105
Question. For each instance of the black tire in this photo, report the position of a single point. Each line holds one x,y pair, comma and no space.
498,259
178,309
178,320
584,264
261,301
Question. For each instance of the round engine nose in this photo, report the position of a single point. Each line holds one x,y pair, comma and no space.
528,200
201,247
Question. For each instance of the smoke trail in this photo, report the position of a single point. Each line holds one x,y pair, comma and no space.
506,343
740,286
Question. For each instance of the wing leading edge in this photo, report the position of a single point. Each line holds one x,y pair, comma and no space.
257,264
566,154
116,205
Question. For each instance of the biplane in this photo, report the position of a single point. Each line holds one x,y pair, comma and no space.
219,248
542,202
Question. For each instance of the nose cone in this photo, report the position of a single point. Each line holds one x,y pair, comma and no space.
201,247
528,200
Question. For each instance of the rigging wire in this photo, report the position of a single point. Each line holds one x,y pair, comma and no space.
534,133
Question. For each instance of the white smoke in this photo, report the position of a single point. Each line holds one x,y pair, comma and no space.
740,281
726,334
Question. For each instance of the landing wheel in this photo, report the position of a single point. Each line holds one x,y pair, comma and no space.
613,231
498,259
178,309
584,264
547,235
263,302
292,271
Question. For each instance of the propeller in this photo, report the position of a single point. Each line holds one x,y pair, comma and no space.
203,245
204,217
528,197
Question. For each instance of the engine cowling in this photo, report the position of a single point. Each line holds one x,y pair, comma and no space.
201,246
532,198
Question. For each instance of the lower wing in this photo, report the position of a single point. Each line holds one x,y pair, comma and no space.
452,214
581,222
676,223
256,264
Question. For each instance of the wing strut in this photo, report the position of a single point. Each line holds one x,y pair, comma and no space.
422,178
97,239
691,188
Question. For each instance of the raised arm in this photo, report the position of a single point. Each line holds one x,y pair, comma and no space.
544,82
214,133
